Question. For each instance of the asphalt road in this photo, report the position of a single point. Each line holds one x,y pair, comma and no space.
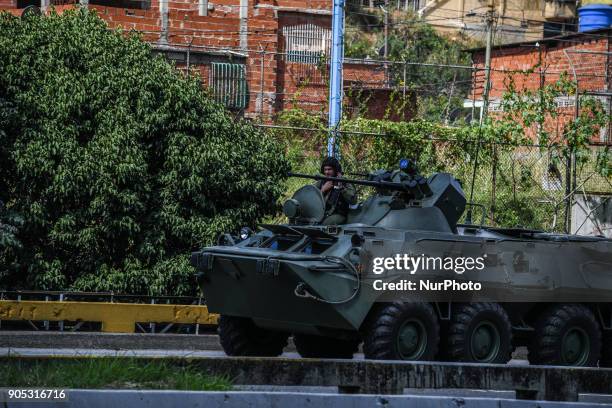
87,352
54,343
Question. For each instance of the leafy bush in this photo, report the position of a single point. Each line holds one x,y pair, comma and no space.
519,183
117,164
439,88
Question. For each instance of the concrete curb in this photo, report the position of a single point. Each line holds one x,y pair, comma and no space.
200,399
112,341
549,383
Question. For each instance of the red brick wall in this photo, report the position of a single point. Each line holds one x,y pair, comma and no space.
590,70
554,63
7,4
374,103
305,86
284,84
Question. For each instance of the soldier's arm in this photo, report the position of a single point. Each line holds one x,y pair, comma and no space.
349,193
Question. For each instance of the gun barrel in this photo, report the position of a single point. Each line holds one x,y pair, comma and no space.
369,183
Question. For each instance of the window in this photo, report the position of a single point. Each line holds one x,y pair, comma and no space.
605,133
129,4
552,29
228,84
307,43
25,3
413,5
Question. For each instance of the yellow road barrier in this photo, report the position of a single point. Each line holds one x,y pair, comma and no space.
115,317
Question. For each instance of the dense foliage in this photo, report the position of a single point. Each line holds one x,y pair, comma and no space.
421,57
113,165
522,152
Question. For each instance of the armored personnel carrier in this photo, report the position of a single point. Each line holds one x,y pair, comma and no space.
334,287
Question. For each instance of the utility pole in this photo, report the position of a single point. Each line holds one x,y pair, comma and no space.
386,11
490,21
541,89
335,77
386,45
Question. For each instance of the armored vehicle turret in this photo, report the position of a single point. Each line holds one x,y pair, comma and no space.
404,277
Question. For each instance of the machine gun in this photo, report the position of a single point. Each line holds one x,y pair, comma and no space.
440,190
415,186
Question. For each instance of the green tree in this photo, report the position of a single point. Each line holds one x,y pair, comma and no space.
117,164
439,89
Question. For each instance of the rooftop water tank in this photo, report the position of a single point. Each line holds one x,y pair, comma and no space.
594,16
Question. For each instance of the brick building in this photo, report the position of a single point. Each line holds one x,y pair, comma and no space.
584,57
257,56
587,59
518,20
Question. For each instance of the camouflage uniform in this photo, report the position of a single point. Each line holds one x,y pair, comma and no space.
337,201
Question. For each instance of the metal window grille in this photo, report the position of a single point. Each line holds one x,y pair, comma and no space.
307,43
229,85
495,105
565,101
405,5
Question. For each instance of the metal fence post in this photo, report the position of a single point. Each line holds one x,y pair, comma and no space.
405,79
187,63
152,325
493,182
61,323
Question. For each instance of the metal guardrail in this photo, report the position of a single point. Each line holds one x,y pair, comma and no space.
115,317
96,297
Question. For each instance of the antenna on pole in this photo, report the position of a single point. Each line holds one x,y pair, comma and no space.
335,76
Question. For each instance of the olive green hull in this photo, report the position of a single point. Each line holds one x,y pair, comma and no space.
237,283
266,285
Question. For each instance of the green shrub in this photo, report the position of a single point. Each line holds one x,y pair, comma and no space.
117,164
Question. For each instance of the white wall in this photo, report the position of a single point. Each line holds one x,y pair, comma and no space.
592,216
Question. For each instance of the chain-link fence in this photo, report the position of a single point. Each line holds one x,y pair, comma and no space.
525,186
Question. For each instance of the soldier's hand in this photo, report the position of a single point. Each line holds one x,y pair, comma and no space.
327,186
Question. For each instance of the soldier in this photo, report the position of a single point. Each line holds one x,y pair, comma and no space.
338,196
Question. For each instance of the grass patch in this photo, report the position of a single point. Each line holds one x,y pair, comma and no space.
115,373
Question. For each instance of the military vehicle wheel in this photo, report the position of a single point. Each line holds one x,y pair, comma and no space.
240,337
324,347
480,333
566,335
402,331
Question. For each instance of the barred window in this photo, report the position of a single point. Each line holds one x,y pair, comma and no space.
25,3
307,43
228,84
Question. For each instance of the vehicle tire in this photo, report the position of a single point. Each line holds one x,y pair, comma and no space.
402,331
566,335
310,346
240,337
479,333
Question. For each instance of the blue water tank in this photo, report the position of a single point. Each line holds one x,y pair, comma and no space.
594,16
